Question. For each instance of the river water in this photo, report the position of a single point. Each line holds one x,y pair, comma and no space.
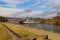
54,28
47,27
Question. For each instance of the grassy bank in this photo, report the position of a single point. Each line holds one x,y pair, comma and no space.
4,34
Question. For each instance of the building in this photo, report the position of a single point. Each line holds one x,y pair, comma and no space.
32,20
13,20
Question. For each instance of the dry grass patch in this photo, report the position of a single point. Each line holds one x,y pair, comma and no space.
4,34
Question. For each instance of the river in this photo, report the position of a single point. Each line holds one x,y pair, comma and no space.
54,28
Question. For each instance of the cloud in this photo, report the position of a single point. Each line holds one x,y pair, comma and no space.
27,13
53,3
46,3
28,10
36,3
8,11
56,2
13,3
54,7
33,14
12,12
50,16
50,13
41,3
43,6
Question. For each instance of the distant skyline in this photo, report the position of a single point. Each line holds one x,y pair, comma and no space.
29,8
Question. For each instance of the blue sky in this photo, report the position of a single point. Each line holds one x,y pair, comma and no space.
35,7
24,4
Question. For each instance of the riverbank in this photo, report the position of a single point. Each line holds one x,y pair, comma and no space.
51,35
4,35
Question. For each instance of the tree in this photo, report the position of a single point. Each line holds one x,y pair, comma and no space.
3,19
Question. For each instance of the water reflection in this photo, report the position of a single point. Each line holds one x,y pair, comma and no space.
54,28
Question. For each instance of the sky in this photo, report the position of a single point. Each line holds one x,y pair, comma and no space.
29,8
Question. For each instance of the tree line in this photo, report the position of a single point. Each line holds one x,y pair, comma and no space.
3,19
